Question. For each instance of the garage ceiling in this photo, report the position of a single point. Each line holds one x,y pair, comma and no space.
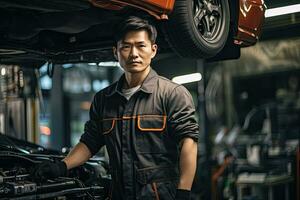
278,3
283,26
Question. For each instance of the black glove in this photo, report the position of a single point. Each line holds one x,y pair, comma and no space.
48,169
182,194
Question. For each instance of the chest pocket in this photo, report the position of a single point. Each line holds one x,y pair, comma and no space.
109,132
151,133
108,126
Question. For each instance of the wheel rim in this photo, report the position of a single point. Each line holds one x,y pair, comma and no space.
208,18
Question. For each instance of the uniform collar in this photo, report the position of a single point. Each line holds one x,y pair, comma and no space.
150,82
147,85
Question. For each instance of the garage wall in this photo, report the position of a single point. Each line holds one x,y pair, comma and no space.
277,56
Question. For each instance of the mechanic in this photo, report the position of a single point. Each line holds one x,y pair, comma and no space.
146,122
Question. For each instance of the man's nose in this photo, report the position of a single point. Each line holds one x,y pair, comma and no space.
133,52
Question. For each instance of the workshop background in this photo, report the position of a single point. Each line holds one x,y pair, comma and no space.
248,110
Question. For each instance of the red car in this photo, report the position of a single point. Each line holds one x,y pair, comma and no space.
81,30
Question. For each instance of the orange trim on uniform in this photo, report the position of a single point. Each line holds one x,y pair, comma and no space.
132,117
138,122
120,118
112,126
111,191
147,116
152,129
128,117
154,189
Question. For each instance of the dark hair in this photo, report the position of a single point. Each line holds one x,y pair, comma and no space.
134,23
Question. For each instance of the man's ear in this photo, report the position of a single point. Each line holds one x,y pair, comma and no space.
115,53
154,50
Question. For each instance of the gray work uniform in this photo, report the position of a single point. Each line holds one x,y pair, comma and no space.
142,136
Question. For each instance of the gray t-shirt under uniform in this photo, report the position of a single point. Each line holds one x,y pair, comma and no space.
129,92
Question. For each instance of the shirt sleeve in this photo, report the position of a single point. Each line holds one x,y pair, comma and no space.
92,137
181,115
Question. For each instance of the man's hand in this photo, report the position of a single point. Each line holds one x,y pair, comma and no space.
183,194
49,169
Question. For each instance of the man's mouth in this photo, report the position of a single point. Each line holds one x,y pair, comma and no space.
134,62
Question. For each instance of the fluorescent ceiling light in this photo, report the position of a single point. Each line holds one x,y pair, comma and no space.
272,12
68,65
187,78
109,64
3,71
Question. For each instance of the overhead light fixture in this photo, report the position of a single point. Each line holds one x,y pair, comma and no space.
3,71
68,65
187,78
109,64
272,12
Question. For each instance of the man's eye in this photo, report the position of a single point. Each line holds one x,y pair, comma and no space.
142,45
125,46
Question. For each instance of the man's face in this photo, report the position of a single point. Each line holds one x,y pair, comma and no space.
135,51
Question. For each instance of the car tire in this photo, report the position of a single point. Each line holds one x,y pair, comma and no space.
201,37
